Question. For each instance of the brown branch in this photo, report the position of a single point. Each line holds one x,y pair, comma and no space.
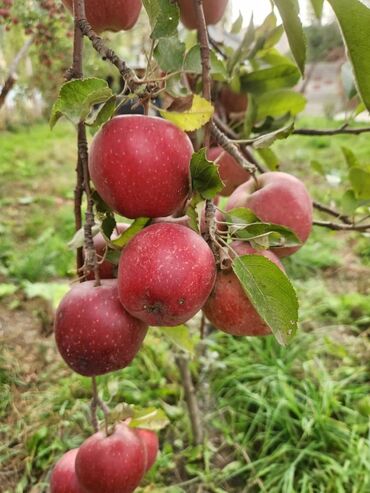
96,403
337,131
342,227
332,212
191,400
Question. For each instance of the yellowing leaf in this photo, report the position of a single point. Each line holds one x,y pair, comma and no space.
199,114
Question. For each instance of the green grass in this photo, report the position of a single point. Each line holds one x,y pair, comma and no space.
279,420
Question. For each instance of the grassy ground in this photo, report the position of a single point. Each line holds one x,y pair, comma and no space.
292,420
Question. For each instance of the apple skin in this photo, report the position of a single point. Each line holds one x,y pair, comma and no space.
233,102
280,199
94,334
213,12
112,464
110,15
228,308
63,477
140,166
151,443
231,173
107,270
165,274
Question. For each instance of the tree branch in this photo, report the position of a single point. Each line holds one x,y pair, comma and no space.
337,131
343,227
332,212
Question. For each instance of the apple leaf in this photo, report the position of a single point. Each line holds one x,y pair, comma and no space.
164,16
274,234
268,79
102,115
350,203
205,176
317,6
270,292
192,119
279,102
354,20
237,24
108,224
350,157
149,418
360,180
77,97
194,212
127,235
266,140
79,237
240,215
170,53
289,11
193,63
181,337
270,158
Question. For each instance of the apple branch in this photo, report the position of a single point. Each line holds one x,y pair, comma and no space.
332,212
343,227
338,131
95,403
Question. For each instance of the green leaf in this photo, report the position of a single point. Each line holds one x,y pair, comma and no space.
317,6
193,63
205,175
289,11
169,53
240,215
103,114
192,119
108,225
250,116
351,158
273,37
194,212
181,337
354,20
278,236
237,25
268,79
77,97
280,102
360,180
270,292
149,418
164,16
350,203
127,235
270,158
267,139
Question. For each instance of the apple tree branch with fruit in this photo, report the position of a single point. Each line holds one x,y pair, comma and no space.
185,208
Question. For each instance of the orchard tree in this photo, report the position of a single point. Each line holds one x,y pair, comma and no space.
186,248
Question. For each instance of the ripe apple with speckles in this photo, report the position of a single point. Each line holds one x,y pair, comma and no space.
213,12
63,477
114,463
94,333
231,173
165,274
110,15
228,308
140,166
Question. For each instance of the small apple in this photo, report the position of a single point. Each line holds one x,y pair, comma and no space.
140,166
107,270
165,274
228,308
110,15
150,441
94,333
233,102
63,477
279,198
112,464
213,12
231,173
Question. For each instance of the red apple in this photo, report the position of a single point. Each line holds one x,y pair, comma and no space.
231,173
140,166
228,308
107,270
280,199
233,102
63,478
165,274
110,15
213,12
94,333
150,441
112,464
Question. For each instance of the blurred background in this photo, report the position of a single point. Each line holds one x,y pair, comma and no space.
287,420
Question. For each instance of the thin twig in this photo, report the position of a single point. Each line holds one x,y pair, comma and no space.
342,227
337,131
96,403
332,212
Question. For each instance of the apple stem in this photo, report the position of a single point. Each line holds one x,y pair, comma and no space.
96,403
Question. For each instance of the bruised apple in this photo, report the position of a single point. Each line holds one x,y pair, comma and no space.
140,166
165,274
110,15
112,464
279,198
107,270
231,173
213,12
228,308
63,477
94,333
